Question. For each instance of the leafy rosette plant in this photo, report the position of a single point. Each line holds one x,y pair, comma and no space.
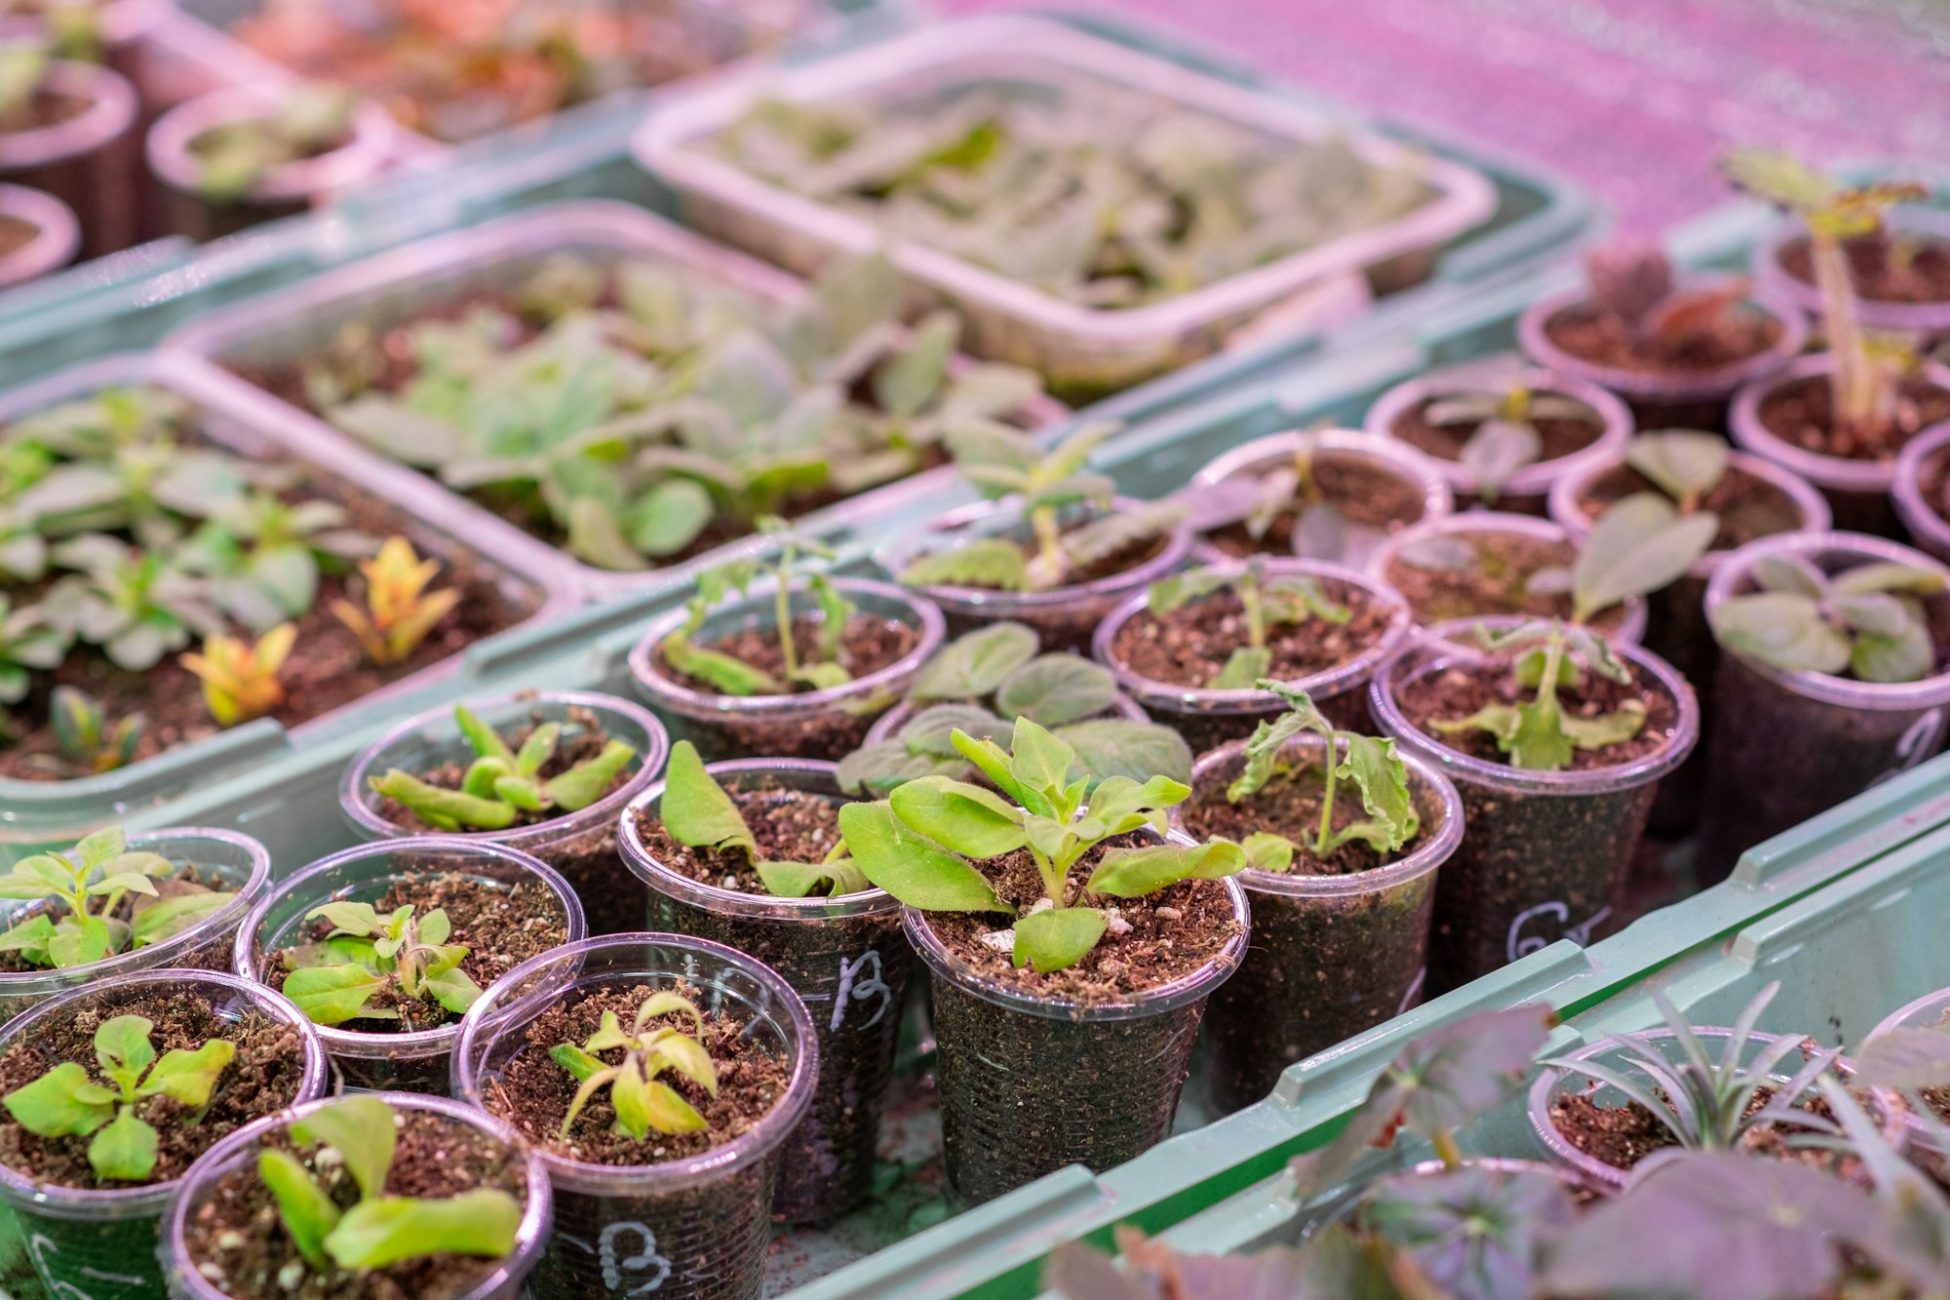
1868,622
697,813
100,899
643,1103
1538,734
368,959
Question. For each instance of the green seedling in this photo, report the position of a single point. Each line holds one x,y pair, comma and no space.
378,1230
88,740
643,1102
1538,735
1868,621
399,610
24,67
1372,765
1284,600
1682,463
1633,284
28,644
233,158
698,813
922,844
503,782
366,955
67,1102
730,675
1506,437
81,893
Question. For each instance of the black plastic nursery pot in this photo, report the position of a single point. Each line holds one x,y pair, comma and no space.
228,1173
693,1227
86,159
1063,618
1149,654
1333,953
581,846
900,628
38,235
1788,744
845,957
1031,1083
521,908
1543,854
99,1241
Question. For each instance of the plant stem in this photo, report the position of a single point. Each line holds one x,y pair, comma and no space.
1855,379
1331,762
1049,544
782,615
1249,600
1447,1150
1052,882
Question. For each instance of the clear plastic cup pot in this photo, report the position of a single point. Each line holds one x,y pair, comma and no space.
1208,718
87,161
1063,618
1927,319
847,960
1543,853
403,1062
1332,955
822,724
102,1243
1921,460
694,1228
1786,744
237,1155
1931,1011
581,845
56,238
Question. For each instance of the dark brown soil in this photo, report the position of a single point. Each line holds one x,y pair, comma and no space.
534,1092
264,1076
1921,275
1622,1136
1173,933
201,143
1600,337
789,825
1190,645
1365,494
237,1240
502,927
1495,585
1445,442
867,646
1800,412
575,747
1748,506
12,963
47,108
16,234
1460,690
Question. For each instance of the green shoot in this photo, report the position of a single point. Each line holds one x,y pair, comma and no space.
366,954
1505,437
1868,621
82,892
502,783
642,1101
698,813
1283,600
1538,735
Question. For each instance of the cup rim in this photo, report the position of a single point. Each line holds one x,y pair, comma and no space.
57,234
167,148
1406,462
1829,473
111,111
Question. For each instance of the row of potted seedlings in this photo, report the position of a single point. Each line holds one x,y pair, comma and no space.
1680,1160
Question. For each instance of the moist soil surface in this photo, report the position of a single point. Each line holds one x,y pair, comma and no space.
1445,442
534,1093
1461,689
866,646
789,825
574,747
1496,584
1190,645
1592,334
1290,807
263,1076
186,874
501,926
47,108
1921,276
1365,494
16,234
1749,506
1801,413
204,141
237,1240
1172,933
1936,483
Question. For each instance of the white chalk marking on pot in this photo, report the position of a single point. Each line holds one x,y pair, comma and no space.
855,990
1580,933
1413,991
1915,744
647,1258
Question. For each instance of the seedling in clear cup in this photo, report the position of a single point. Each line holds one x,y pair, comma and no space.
1504,436
367,956
80,916
813,666
1284,599
1866,622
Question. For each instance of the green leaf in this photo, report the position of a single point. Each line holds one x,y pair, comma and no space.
1057,937
123,1049
581,1065
905,384
1179,589
453,989
992,563
125,1150
361,1129
1784,629
1133,873
1246,665
974,665
332,995
1266,851
1607,729
1682,463
1056,689
1907,656
101,847
189,1077
823,676
64,1102
80,941
588,781
1791,574
379,1233
696,810
727,675
880,769
307,1212
993,762
1038,760
169,917
348,917
959,816
442,808
670,516
918,873
1540,742
1640,546
537,749
629,1093
1888,577
670,1113
484,740
1377,770
1107,747
39,875
798,879
29,938
1495,451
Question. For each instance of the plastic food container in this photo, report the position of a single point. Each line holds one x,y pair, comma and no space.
1925,318
1076,347
56,240
87,161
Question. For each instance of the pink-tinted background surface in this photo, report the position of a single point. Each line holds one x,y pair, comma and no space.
1633,98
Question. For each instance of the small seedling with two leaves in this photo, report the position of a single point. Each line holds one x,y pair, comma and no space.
698,813
982,681
1372,765
378,1230
921,845
503,783
643,1102
1868,621
67,1102
730,675
1283,600
233,157
1633,284
366,955
82,892
1506,436
1006,463
1538,735
399,611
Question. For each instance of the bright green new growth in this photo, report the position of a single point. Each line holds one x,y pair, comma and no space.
699,814
1641,545
730,675
1286,599
642,1101
1006,463
88,741
379,1230
336,979
1374,767
233,157
502,782
1539,735
1868,621
66,1102
920,845
85,888
1506,437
